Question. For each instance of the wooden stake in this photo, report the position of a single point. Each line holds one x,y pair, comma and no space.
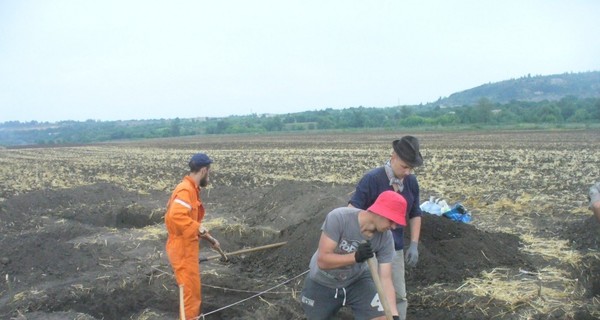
373,266
181,305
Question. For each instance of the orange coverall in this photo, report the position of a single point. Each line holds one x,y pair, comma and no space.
184,215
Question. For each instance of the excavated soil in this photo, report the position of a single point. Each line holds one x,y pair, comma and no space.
97,252
87,253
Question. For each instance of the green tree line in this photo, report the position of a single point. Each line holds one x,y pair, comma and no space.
569,109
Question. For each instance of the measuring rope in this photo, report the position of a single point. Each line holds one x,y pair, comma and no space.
242,291
202,316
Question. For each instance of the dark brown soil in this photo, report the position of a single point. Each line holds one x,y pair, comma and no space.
83,254
585,236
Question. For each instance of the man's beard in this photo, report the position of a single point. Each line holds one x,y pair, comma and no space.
204,182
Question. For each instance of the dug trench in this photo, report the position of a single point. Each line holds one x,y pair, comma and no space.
97,252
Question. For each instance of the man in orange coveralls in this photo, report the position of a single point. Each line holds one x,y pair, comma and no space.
184,226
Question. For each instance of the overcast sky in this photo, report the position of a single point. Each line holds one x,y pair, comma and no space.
121,60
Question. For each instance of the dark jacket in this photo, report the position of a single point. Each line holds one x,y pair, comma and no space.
375,182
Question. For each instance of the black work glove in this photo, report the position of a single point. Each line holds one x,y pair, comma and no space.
363,252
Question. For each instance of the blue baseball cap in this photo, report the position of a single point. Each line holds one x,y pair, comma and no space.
199,160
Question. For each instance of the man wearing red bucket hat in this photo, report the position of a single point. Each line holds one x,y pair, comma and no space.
396,175
338,275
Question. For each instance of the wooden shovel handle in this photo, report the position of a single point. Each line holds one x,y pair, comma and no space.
268,246
181,305
373,266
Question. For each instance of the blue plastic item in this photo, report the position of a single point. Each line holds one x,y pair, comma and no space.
458,213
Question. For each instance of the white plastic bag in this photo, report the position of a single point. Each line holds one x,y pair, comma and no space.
431,206
444,207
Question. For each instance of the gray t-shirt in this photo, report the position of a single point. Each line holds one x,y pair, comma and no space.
341,225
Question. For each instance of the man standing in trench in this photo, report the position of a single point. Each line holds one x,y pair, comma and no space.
183,220
396,174
338,273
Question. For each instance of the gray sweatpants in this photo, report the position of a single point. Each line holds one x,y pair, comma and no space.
399,283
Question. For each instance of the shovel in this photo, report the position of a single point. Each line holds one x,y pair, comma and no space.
224,256
382,298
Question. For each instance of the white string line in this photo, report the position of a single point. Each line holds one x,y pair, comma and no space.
237,290
222,288
244,291
251,297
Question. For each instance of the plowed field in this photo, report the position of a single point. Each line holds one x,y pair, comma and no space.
82,233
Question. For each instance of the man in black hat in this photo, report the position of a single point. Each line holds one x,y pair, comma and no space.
396,174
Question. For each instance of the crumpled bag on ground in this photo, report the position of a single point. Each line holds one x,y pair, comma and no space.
435,206
458,213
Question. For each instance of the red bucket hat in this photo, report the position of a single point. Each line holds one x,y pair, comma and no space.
391,205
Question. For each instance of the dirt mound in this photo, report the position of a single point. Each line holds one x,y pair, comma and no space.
98,252
97,205
585,236
78,251
278,206
302,227
449,251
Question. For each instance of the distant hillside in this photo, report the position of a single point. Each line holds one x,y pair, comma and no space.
528,88
559,100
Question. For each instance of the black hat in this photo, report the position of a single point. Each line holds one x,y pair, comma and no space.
407,148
